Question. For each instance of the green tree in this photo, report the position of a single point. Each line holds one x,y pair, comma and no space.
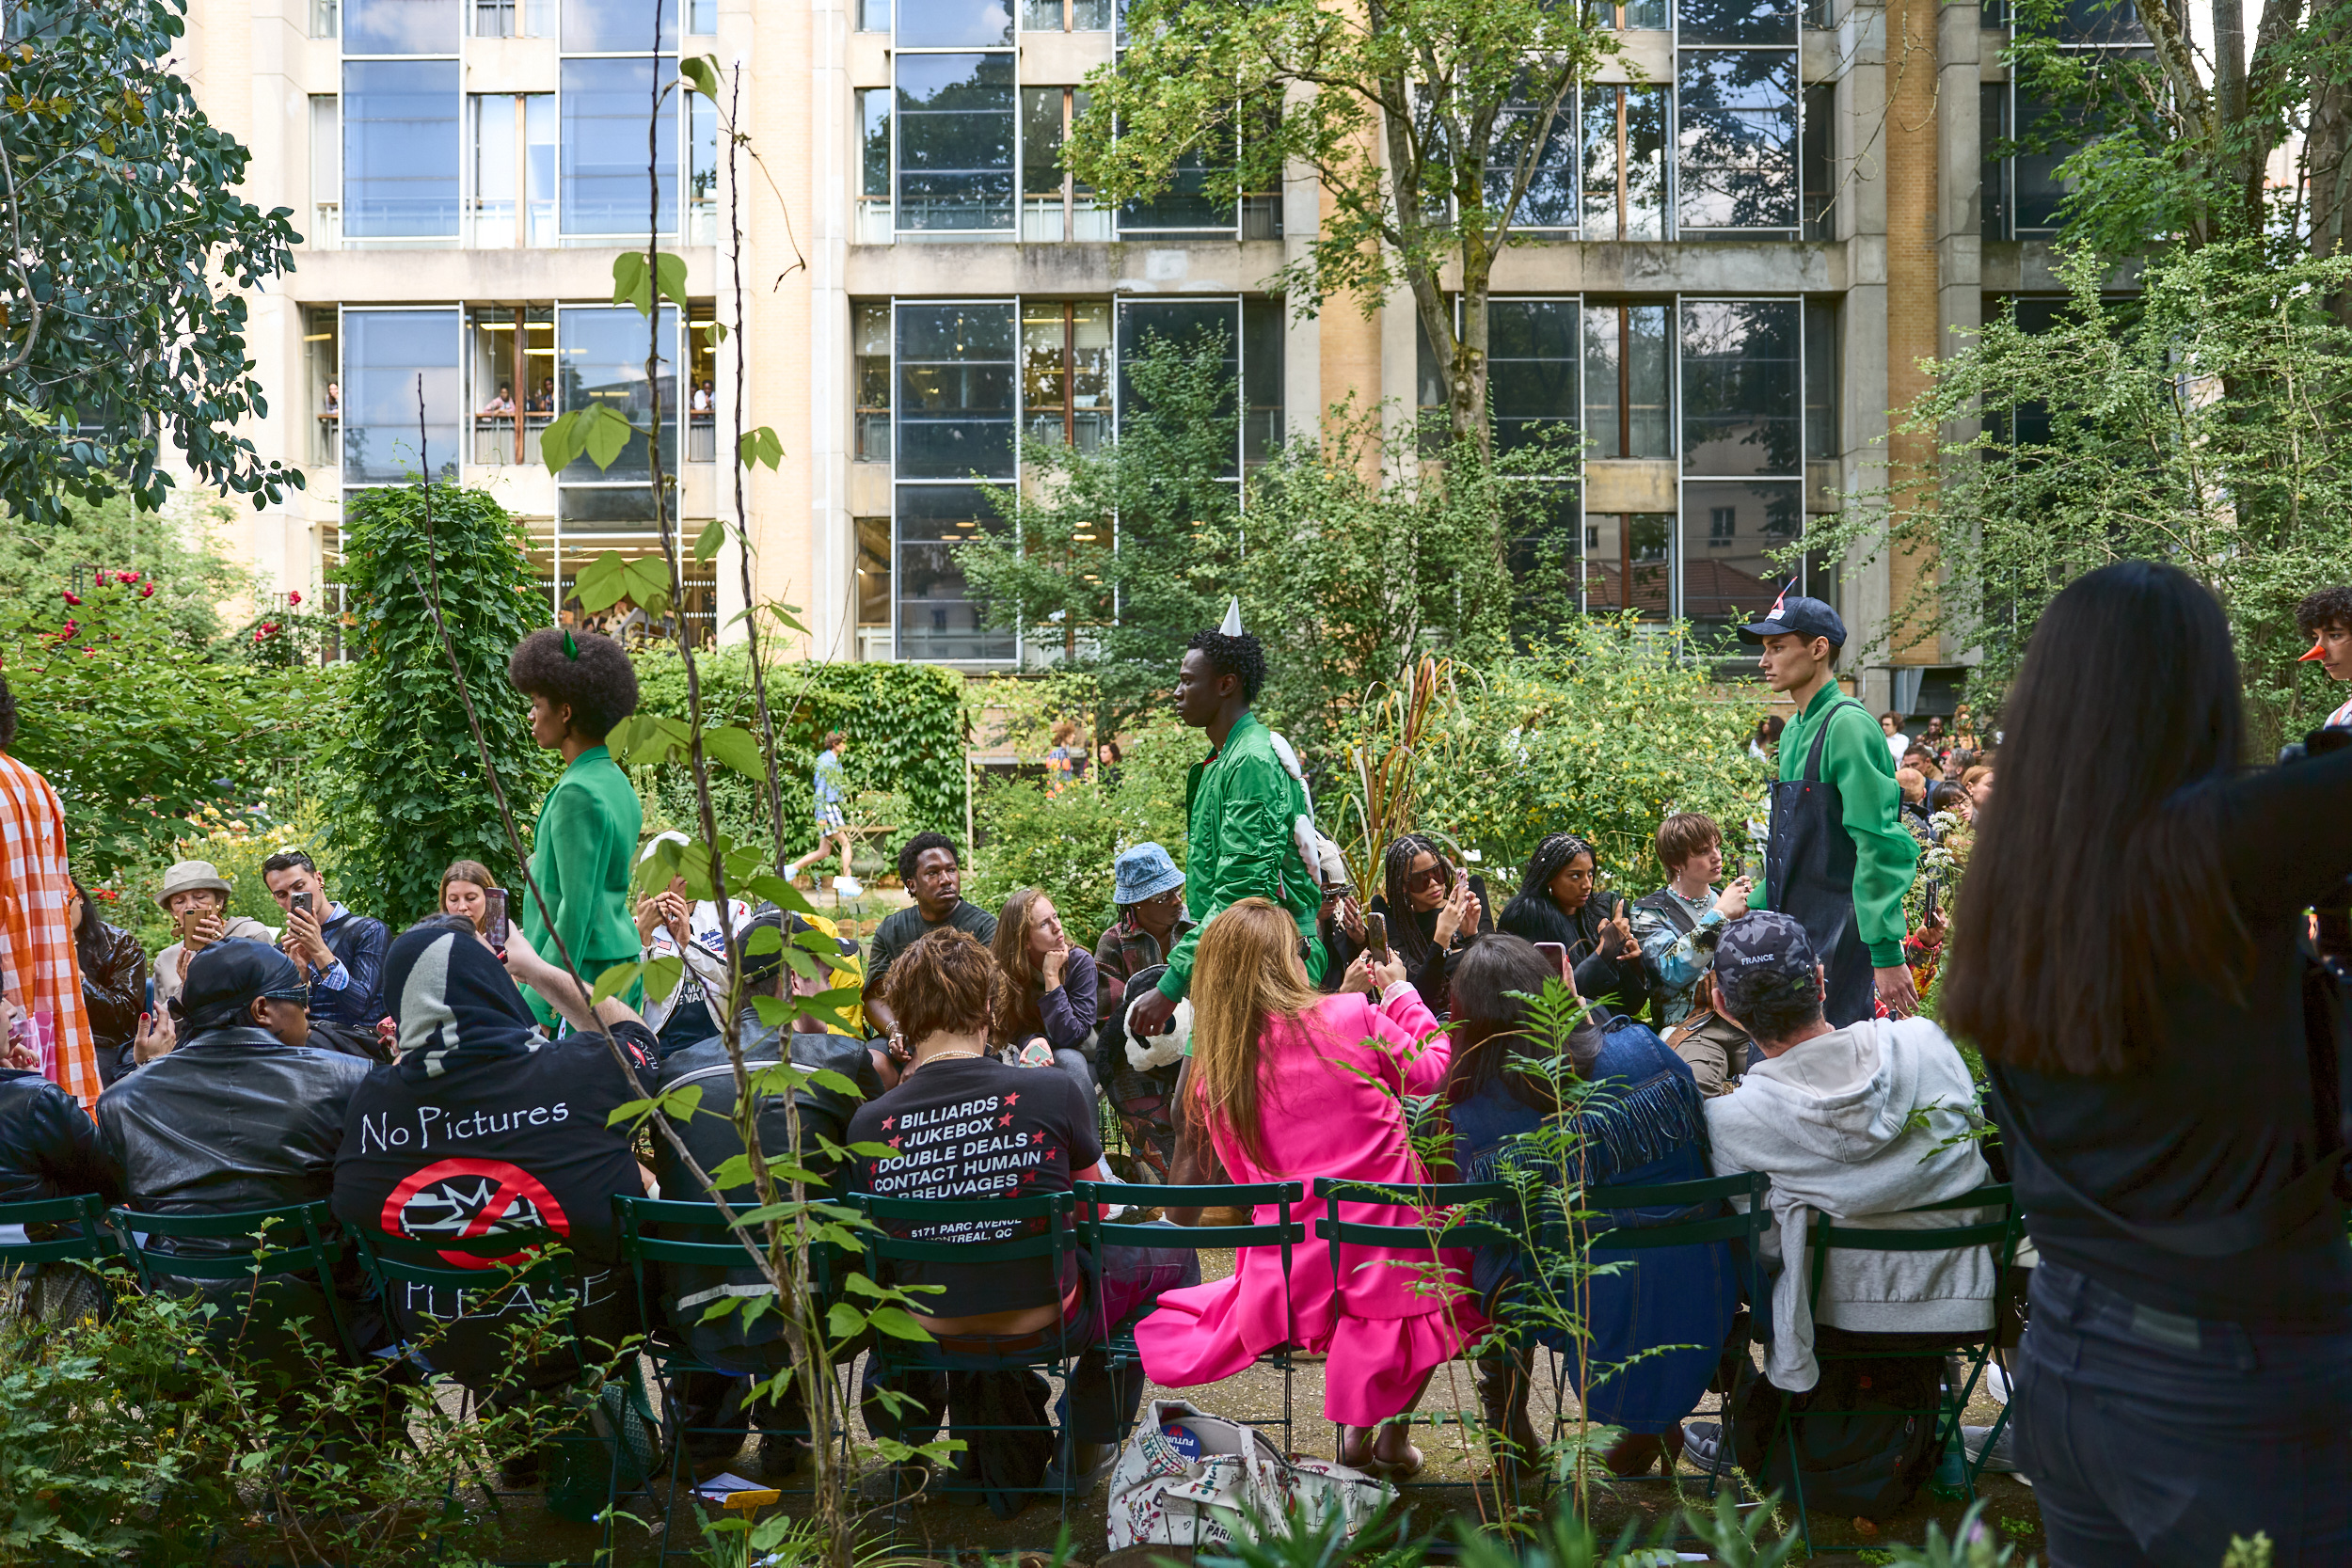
1119,554
173,550
402,780
136,729
2203,423
121,280
1426,124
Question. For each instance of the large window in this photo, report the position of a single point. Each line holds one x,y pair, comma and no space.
1550,199
1629,379
513,170
600,358
956,413
1530,376
390,359
869,336
617,27
1742,453
1625,163
1066,371
605,186
2024,192
400,27
1250,334
955,124
1735,142
400,149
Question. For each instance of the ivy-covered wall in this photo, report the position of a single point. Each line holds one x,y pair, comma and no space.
904,723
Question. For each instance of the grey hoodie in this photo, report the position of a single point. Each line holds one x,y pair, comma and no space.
1832,1122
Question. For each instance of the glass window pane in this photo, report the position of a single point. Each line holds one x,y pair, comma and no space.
1040,139
1550,201
601,352
400,147
1725,531
539,166
869,341
1739,386
873,116
616,26
1737,144
955,141
957,23
702,170
1625,129
605,105
1531,375
497,165
954,388
1993,129
873,16
1626,564
1186,324
1820,380
1627,386
2101,22
400,27
1543,549
1262,345
385,351
873,571
702,18
1737,21
1817,156
2057,134
938,619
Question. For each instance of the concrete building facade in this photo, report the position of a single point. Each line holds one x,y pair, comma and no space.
1758,227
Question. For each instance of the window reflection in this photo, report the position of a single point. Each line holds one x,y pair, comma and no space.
1626,564
400,147
1737,139
1189,326
400,27
954,390
939,620
386,356
955,141
1625,163
1066,371
954,23
1628,379
1765,21
617,27
1550,201
869,345
1741,394
1531,375
600,358
605,189
1726,530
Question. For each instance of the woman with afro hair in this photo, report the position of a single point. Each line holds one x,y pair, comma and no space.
579,685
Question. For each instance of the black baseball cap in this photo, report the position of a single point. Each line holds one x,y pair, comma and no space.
1762,956
1798,615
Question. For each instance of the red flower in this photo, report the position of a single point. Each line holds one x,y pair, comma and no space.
148,591
72,597
70,629
270,627
104,578
294,599
90,653
257,636
126,579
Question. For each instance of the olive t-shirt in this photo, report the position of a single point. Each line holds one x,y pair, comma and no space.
972,1128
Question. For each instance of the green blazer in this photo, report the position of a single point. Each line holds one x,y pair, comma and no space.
581,856
1241,803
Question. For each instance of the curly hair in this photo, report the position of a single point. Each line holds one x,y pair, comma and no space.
941,984
913,851
600,685
1240,657
2330,607
8,715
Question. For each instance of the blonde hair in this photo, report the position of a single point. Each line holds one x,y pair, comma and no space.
1014,1015
1244,974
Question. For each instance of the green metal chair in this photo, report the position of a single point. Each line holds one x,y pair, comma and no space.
1284,1233
87,1238
2000,1234
293,1240
1054,1244
651,1237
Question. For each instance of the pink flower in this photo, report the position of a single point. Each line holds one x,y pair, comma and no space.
294,599
72,597
126,579
270,627
90,653
104,578
148,591
257,636
70,628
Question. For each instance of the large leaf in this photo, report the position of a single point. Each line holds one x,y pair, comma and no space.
733,746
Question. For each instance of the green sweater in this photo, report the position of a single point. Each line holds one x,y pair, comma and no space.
581,856
1856,760
1240,803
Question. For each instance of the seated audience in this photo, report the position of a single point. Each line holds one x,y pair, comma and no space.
1289,1085
341,953
197,899
240,1113
1040,1135
113,983
1716,1050
1148,892
1558,902
672,928
1643,1125
1678,925
483,1125
1851,1123
47,1146
1949,798
712,1405
1441,909
933,875
1044,1008
1976,783
466,892
1915,810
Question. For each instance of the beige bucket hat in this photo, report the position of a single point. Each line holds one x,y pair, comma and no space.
190,874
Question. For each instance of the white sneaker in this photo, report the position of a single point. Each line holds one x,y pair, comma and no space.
848,887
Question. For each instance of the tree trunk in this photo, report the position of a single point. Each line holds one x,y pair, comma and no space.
2325,149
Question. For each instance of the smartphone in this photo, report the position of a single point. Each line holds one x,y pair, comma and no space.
1558,954
1376,936
494,916
302,902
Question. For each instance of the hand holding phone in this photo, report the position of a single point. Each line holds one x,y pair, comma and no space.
1376,936
1558,954
301,902
494,917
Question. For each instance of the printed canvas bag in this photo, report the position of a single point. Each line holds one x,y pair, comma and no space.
1188,1479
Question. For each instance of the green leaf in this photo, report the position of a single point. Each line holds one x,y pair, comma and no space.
760,446
561,441
773,1012
844,1322
896,1324
662,975
615,980
670,275
629,285
733,746
707,543
783,894
606,432
701,72
766,939
838,1083
602,583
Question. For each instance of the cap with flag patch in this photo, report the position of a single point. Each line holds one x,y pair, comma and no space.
1795,614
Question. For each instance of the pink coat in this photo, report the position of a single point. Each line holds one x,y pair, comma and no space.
1331,1107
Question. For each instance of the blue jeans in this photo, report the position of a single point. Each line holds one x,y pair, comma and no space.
2153,1438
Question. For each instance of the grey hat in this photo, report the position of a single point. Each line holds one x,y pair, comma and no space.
190,874
1763,954
1145,872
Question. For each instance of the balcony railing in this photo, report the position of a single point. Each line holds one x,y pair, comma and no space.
1045,221
326,226
327,440
874,220
495,443
873,436
702,220
702,437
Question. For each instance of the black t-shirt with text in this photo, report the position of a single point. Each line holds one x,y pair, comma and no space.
973,1127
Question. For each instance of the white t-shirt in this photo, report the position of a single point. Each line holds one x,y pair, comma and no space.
1899,743
2341,715
705,958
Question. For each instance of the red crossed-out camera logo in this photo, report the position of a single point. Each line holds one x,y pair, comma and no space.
464,1198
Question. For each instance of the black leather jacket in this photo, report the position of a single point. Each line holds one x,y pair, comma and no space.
46,1142
114,993
230,1119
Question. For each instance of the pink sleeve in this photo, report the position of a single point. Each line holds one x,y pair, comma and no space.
1409,1031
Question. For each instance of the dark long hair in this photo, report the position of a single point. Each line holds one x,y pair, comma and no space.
1533,909
1404,932
2098,874
1490,1021
92,925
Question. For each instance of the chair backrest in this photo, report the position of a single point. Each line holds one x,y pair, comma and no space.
1283,1234
1999,1234
1713,1192
404,1260
1426,1196
291,1239
1056,1239
713,1244
89,1240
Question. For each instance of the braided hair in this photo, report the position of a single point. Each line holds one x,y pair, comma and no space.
1397,868
1533,915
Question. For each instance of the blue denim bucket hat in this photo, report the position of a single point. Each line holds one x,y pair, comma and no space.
1145,872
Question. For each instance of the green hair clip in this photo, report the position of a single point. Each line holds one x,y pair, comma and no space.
571,649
